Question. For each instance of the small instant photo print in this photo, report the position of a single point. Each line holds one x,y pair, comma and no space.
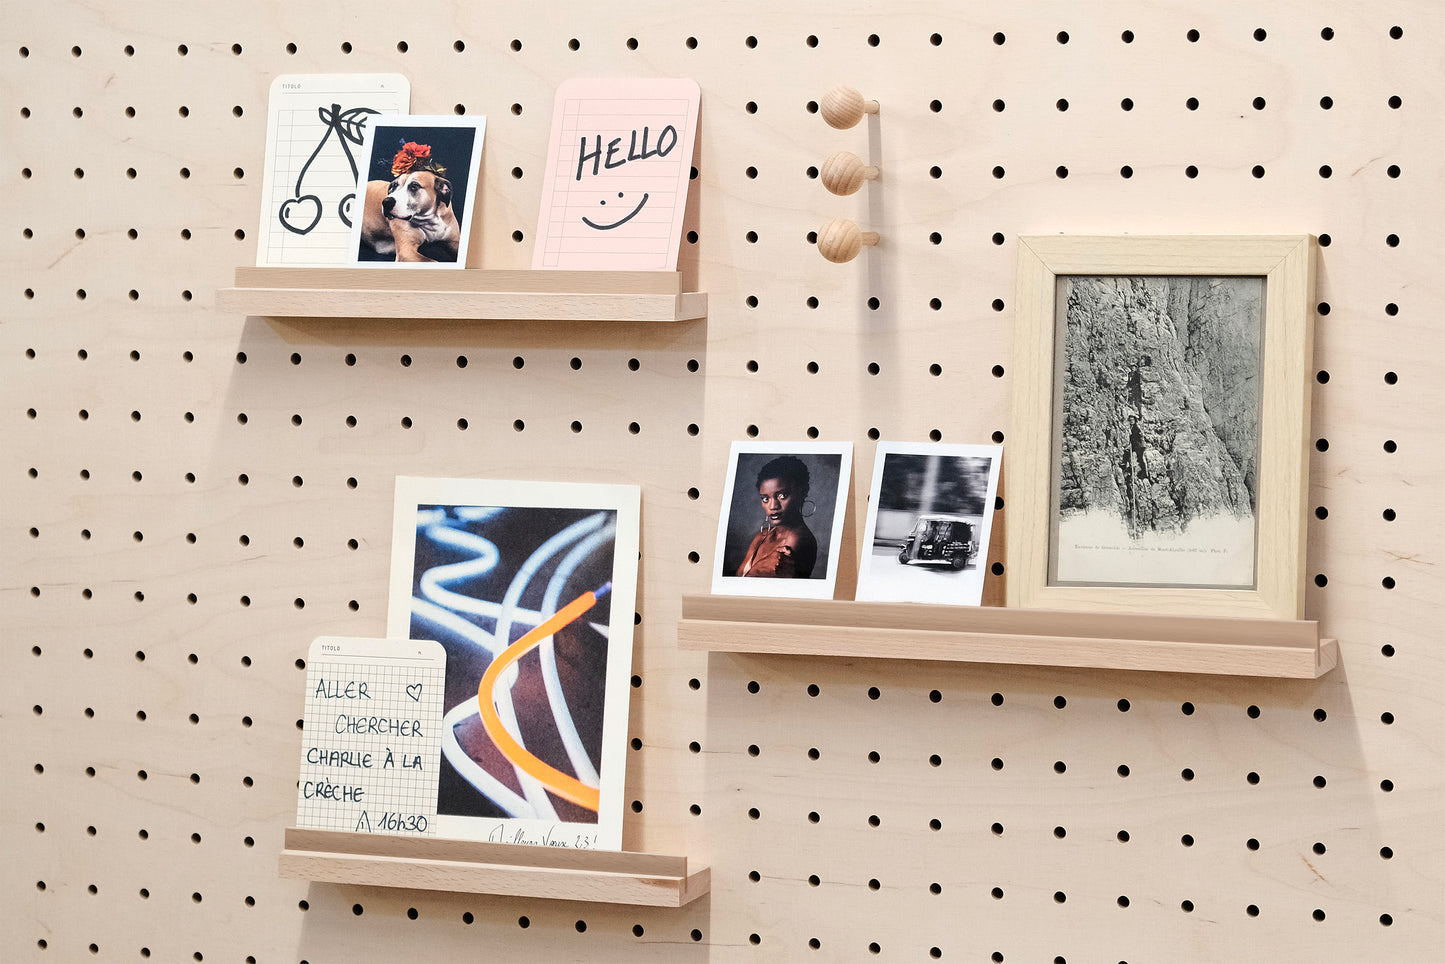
782,519
417,191
929,515
530,587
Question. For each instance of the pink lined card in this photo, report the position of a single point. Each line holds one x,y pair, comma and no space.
618,166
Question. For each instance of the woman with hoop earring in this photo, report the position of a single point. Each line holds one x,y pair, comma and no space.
784,547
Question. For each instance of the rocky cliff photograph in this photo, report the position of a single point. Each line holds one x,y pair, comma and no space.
1156,430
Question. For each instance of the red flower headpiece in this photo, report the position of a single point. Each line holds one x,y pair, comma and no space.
414,156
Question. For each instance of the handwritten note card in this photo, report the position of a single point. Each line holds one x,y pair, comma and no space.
313,155
372,745
618,168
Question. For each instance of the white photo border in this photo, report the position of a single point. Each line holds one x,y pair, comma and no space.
968,583
475,122
625,501
728,585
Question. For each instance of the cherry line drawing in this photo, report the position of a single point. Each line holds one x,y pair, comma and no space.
301,214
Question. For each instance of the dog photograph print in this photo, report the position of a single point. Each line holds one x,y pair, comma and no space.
417,191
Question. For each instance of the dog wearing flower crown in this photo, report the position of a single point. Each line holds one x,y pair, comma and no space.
411,210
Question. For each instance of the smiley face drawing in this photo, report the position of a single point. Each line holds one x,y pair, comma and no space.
621,221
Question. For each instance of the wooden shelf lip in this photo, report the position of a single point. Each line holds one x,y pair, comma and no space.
469,294
1186,644
469,866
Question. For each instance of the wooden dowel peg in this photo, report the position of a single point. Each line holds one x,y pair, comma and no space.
844,172
840,240
844,107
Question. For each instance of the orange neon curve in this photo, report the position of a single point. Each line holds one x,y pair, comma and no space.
566,787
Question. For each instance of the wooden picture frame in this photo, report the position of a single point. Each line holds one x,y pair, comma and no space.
1074,293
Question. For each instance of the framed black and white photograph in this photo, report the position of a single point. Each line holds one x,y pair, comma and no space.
930,513
414,199
530,587
1158,452
782,519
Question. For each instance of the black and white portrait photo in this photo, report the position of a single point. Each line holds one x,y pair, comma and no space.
1157,408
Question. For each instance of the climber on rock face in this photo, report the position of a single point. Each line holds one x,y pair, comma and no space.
1136,447
1135,388
1136,479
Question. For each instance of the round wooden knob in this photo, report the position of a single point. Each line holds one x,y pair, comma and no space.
844,172
840,240
844,107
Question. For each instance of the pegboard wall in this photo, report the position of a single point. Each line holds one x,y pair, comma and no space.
188,497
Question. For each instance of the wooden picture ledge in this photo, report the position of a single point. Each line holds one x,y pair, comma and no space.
985,634
469,866
469,294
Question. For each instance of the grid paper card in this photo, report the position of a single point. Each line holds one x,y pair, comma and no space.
618,166
372,747
314,130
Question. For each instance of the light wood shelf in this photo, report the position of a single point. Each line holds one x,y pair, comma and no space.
467,294
468,866
1188,644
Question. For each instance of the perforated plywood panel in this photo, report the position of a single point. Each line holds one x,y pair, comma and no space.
191,496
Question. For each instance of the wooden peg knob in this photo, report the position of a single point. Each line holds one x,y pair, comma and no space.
844,107
840,240
844,172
